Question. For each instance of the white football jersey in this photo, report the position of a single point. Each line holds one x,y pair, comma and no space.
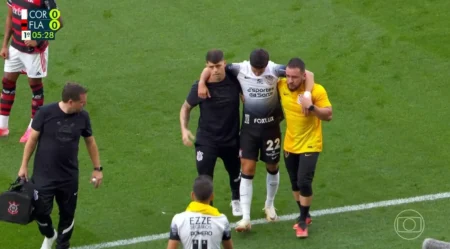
261,105
200,231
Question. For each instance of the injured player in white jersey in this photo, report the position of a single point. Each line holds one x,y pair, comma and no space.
260,136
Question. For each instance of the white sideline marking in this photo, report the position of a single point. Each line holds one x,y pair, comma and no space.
317,213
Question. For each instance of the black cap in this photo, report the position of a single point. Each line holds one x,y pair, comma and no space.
259,58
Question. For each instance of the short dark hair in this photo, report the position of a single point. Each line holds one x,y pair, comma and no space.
203,187
259,58
297,63
72,91
214,56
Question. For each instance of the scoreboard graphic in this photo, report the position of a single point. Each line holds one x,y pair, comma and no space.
40,24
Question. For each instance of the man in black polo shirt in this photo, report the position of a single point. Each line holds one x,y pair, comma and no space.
56,130
218,125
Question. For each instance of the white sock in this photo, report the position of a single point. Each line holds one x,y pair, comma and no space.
272,183
246,190
4,121
29,126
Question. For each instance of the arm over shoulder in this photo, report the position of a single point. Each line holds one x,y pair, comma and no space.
233,68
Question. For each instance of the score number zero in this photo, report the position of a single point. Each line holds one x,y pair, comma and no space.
54,25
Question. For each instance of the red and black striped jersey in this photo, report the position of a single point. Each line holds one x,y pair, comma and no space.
17,26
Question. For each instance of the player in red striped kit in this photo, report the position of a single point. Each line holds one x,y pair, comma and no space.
28,57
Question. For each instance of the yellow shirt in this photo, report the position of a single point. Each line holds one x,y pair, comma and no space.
303,133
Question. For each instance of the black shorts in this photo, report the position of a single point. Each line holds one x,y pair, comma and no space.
262,143
206,158
66,196
300,167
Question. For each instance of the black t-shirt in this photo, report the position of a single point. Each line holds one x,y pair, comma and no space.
56,158
219,120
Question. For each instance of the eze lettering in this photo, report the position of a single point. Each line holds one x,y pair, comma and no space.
200,220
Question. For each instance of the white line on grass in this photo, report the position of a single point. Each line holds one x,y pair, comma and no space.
338,210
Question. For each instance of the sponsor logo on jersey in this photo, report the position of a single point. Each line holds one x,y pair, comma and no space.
260,92
197,227
17,10
263,120
273,154
200,220
200,223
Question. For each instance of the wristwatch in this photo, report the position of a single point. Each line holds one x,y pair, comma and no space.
99,169
311,108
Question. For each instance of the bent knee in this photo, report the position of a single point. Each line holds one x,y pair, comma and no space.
305,187
272,167
294,184
35,81
248,167
12,77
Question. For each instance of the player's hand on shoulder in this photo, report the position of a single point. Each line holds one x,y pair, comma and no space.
5,52
97,178
31,43
203,91
306,102
187,137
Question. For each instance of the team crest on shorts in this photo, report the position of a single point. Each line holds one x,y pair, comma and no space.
36,195
199,156
286,154
13,208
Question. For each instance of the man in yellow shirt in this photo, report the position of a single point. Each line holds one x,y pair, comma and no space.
303,139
